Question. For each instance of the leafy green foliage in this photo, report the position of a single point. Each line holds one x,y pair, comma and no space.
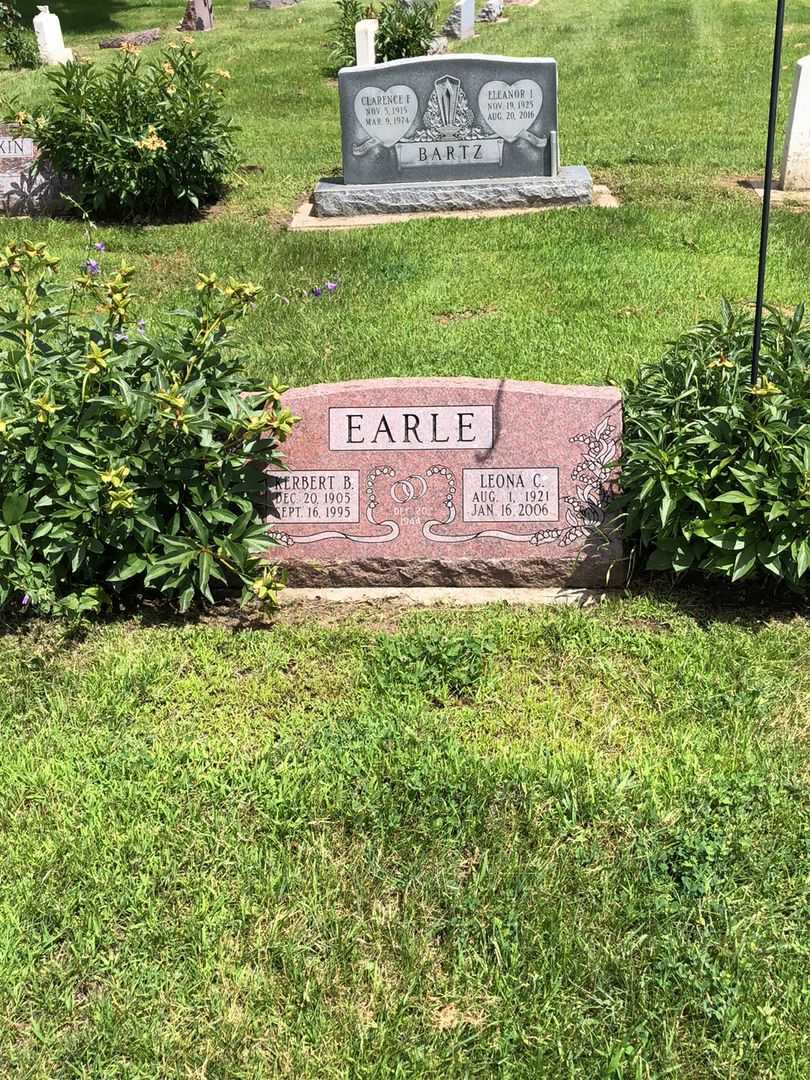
405,29
18,40
342,48
138,139
716,473
430,663
128,465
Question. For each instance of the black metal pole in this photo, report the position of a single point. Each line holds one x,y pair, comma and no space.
766,189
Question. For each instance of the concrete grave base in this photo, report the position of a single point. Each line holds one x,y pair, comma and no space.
790,200
436,596
305,218
571,186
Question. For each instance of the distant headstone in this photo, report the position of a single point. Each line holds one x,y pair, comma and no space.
50,43
136,37
438,45
22,191
270,5
199,15
796,158
448,482
491,11
449,133
460,22
365,33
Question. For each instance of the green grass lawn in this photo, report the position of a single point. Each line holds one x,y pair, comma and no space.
313,848
296,852
661,101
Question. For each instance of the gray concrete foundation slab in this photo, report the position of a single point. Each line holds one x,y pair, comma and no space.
572,185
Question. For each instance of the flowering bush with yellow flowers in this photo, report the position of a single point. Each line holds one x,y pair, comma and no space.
130,464
137,139
715,471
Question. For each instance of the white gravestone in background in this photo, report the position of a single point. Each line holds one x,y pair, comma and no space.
49,38
460,22
365,32
796,158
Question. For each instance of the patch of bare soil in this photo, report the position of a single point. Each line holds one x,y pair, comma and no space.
444,318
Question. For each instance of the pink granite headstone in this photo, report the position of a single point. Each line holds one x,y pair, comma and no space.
449,482
24,189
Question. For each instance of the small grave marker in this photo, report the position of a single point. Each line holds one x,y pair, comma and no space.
199,15
448,482
796,158
460,23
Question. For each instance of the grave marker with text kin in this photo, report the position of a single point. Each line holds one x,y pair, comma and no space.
449,482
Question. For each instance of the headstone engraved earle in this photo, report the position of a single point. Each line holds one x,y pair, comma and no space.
450,132
796,156
448,482
22,189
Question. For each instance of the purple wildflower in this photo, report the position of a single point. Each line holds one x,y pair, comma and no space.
317,291
92,267
121,337
141,326
331,286
25,602
100,246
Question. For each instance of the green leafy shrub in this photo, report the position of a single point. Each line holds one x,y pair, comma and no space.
342,48
405,29
129,465
716,473
138,139
18,40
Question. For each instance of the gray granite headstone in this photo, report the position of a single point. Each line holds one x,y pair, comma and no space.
199,15
491,11
270,5
458,132
460,22
462,117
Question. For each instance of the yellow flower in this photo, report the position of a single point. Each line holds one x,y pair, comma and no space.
188,40
121,499
151,140
723,362
223,74
45,408
172,45
171,89
115,477
172,397
3,427
96,358
206,281
167,67
22,117
128,47
764,388
40,122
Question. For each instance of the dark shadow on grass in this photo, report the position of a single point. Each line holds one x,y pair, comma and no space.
88,16
706,601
